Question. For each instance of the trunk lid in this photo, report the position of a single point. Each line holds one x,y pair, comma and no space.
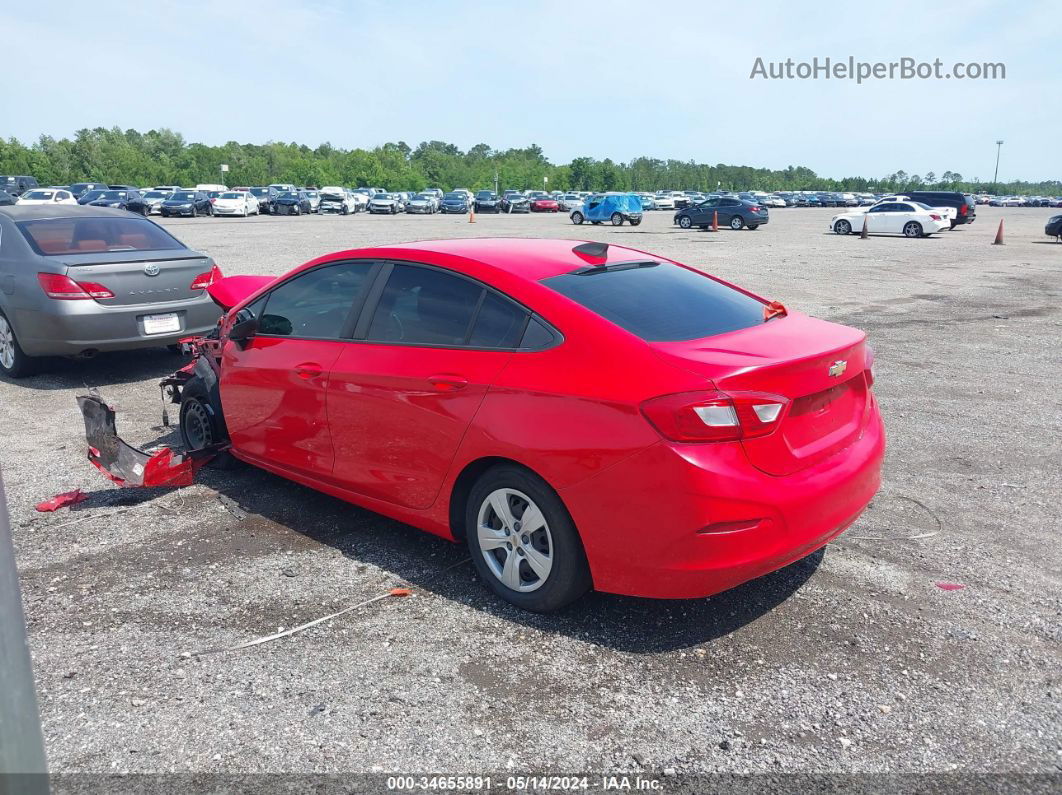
125,273
817,365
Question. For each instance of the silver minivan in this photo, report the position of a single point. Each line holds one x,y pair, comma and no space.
77,280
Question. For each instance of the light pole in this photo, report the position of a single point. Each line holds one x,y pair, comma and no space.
995,177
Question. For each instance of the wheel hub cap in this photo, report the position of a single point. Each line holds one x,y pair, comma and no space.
515,540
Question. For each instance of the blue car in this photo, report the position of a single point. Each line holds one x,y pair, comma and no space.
612,207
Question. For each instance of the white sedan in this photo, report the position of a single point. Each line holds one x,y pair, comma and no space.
949,213
47,196
236,202
664,201
907,218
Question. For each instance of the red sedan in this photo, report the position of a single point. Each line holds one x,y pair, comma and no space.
544,205
581,415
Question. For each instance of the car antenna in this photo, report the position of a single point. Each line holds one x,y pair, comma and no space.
594,253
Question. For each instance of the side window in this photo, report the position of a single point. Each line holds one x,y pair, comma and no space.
424,306
536,336
315,304
499,324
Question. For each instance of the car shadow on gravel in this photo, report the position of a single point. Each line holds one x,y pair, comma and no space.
104,369
280,508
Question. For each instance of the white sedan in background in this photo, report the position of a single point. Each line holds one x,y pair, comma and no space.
47,196
948,212
236,202
664,201
907,218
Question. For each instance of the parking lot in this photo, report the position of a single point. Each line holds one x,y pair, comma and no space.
854,659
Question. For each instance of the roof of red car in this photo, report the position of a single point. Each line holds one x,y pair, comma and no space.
530,258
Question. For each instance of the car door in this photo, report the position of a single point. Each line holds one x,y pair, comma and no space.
879,218
273,389
402,395
704,211
728,208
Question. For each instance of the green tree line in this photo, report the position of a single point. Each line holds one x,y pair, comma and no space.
163,157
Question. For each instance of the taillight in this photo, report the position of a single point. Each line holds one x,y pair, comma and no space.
963,209
204,280
713,416
869,366
213,200
934,216
63,288
754,209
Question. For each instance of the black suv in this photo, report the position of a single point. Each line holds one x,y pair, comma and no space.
965,206
16,186
487,201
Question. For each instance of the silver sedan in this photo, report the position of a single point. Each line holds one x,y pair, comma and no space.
78,280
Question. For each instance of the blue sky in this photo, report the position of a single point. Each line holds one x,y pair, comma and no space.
616,79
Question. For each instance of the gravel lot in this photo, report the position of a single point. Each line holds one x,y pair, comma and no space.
852,660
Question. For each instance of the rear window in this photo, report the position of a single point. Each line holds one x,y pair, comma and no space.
55,236
660,302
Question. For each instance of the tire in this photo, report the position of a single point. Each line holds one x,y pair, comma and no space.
547,568
164,214
685,222
14,363
912,229
753,227
296,210
199,428
577,218
210,211
737,222
633,222
842,227
195,212
616,219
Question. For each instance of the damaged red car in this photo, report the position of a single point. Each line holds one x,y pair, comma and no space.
580,415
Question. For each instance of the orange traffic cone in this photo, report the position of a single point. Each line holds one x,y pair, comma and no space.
715,220
472,214
999,234
863,235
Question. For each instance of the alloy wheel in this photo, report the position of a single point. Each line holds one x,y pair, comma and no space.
7,344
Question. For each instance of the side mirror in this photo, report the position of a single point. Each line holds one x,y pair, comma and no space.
244,329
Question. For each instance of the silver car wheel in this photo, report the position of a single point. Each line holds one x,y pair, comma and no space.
515,540
7,344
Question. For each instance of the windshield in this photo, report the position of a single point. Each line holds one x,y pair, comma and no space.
260,191
82,235
379,197
38,194
485,194
288,195
182,197
455,196
156,194
231,195
113,195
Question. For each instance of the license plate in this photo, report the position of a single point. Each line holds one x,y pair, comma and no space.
162,324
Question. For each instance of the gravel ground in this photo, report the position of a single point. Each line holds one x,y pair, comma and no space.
853,660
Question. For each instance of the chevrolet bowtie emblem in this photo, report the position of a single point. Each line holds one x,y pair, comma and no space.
838,368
